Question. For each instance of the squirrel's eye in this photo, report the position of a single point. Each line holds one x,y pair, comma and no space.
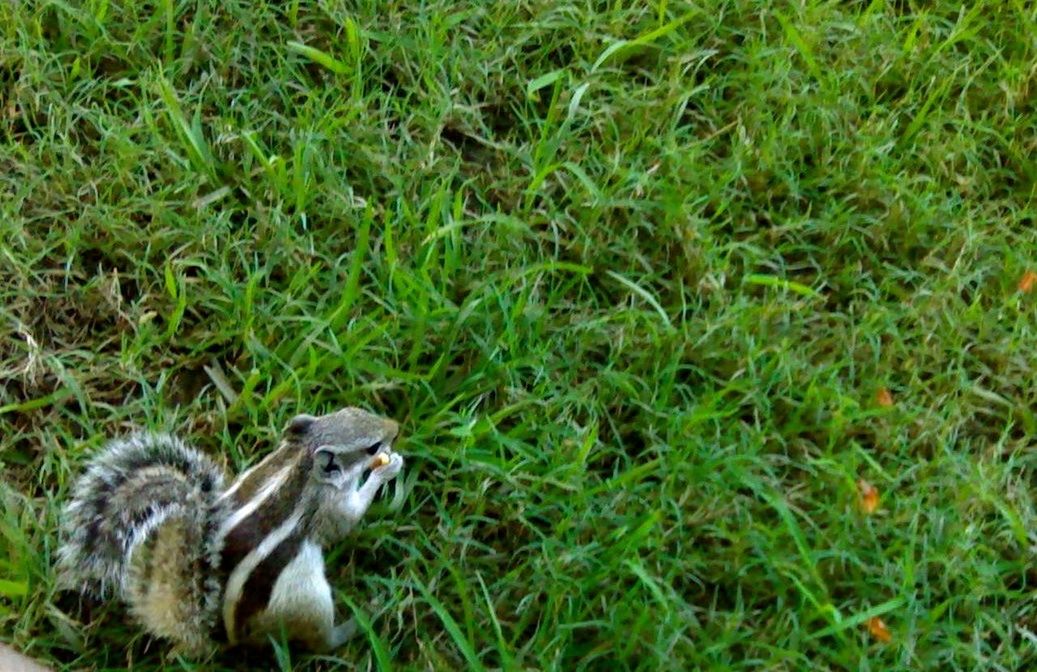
374,449
330,467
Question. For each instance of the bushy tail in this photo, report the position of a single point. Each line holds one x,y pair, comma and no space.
129,489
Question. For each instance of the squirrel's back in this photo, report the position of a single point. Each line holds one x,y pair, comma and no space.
141,521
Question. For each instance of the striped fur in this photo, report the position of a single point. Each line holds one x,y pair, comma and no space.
150,518
250,542
141,523
267,532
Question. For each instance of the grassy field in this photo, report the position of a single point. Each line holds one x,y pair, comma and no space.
655,288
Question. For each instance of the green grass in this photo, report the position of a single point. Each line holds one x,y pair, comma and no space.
630,275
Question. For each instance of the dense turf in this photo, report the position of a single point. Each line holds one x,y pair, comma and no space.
632,275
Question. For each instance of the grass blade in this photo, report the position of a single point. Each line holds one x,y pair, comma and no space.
351,291
859,619
624,48
320,57
781,283
507,659
806,52
190,133
644,294
463,645
381,652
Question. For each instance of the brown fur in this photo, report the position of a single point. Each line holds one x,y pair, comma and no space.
162,592
145,516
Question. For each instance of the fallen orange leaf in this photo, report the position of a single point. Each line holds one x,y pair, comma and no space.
884,397
869,496
877,628
1028,282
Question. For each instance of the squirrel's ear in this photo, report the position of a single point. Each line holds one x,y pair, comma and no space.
299,424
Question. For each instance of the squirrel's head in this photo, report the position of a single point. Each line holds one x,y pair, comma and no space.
340,440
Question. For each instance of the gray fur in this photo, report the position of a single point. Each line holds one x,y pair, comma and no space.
105,520
150,521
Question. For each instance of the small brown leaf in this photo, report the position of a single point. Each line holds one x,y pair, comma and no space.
878,629
868,496
1028,282
884,397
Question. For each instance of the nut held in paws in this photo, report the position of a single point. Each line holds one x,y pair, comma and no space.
380,460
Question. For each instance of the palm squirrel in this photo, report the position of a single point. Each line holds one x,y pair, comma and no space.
202,565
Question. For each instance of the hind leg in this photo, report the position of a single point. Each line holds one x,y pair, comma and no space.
301,604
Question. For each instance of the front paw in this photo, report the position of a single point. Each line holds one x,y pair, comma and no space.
391,469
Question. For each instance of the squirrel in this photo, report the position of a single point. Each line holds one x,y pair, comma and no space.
205,566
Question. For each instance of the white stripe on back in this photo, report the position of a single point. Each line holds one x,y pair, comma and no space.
244,569
247,509
241,479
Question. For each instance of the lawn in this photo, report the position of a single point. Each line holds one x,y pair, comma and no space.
709,325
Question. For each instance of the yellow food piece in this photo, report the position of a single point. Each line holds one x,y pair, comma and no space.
380,460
